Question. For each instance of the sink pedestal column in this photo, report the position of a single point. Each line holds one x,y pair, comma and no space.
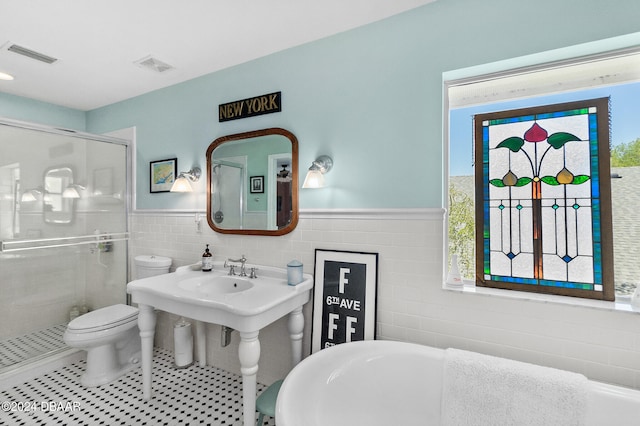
201,343
296,328
147,326
249,354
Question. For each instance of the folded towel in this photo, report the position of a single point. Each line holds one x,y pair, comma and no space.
483,390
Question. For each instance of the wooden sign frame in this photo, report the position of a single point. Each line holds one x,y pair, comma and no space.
250,107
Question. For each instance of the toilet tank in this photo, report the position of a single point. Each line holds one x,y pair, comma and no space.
150,265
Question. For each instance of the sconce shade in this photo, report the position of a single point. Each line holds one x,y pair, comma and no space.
30,195
315,175
183,182
181,185
314,179
71,191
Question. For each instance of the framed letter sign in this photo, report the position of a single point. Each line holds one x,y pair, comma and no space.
344,299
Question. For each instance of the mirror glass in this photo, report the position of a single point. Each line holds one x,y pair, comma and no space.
252,183
57,206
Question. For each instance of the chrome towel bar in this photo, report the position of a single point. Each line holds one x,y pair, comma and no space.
42,243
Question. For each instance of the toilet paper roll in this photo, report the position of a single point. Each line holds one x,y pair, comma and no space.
183,344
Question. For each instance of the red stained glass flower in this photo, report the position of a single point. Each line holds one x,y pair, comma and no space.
535,134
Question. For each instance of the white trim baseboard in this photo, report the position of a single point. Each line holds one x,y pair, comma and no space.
380,214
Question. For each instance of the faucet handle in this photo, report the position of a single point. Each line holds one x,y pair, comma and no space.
252,274
242,260
232,269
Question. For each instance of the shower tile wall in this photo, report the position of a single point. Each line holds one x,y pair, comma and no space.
412,306
35,285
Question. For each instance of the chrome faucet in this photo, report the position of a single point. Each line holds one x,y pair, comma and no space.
242,261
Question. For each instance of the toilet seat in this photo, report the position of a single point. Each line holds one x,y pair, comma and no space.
103,318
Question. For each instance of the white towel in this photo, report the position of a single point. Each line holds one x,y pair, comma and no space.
481,390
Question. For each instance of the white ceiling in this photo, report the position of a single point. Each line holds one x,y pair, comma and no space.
97,42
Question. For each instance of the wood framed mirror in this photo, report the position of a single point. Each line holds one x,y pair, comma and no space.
252,183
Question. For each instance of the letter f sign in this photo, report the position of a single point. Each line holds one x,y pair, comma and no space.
343,279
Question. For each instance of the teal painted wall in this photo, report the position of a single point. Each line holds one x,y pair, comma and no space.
24,109
370,97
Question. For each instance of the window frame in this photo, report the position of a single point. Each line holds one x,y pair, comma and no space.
604,196
517,66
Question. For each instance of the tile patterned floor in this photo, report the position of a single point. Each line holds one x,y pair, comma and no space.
190,396
23,348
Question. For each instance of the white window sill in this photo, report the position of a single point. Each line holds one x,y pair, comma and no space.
622,303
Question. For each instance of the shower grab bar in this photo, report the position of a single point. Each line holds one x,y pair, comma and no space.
41,243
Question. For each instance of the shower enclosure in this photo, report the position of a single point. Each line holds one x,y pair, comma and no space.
63,234
227,193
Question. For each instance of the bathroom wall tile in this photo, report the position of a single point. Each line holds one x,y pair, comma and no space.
563,363
445,341
637,379
391,332
610,374
623,358
523,355
421,337
406,321
486,348
412,306
501,336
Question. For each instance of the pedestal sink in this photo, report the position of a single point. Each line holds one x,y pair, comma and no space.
244,304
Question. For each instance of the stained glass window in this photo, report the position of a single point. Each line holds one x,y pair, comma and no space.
544,220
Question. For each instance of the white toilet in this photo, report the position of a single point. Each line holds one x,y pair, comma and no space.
110,335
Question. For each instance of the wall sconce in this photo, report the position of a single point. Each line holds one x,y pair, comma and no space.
315,175
31,195
71,191
182,183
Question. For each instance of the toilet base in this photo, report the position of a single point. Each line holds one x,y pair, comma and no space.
92,380
107,362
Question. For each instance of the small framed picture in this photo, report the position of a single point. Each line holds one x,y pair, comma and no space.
256,184
344,298
162,174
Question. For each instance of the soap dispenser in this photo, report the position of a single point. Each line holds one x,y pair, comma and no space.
207,260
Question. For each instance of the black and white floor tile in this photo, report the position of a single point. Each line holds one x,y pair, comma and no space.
23,348
189,396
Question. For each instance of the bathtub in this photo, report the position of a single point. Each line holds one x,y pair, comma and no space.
383,383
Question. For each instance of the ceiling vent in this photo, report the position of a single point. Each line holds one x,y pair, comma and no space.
20,50
153,64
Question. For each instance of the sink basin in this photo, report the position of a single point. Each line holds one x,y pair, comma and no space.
242,303
210,287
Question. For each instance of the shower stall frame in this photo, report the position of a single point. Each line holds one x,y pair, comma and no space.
21,371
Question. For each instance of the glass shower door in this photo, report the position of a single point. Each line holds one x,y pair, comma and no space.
63,235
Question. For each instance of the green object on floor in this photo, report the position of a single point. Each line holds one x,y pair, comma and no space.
266,402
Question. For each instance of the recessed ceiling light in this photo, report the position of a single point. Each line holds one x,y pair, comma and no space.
5,76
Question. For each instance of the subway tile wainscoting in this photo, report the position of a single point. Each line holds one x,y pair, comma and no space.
412,306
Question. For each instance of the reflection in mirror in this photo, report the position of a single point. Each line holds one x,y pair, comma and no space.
251,183
57,208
